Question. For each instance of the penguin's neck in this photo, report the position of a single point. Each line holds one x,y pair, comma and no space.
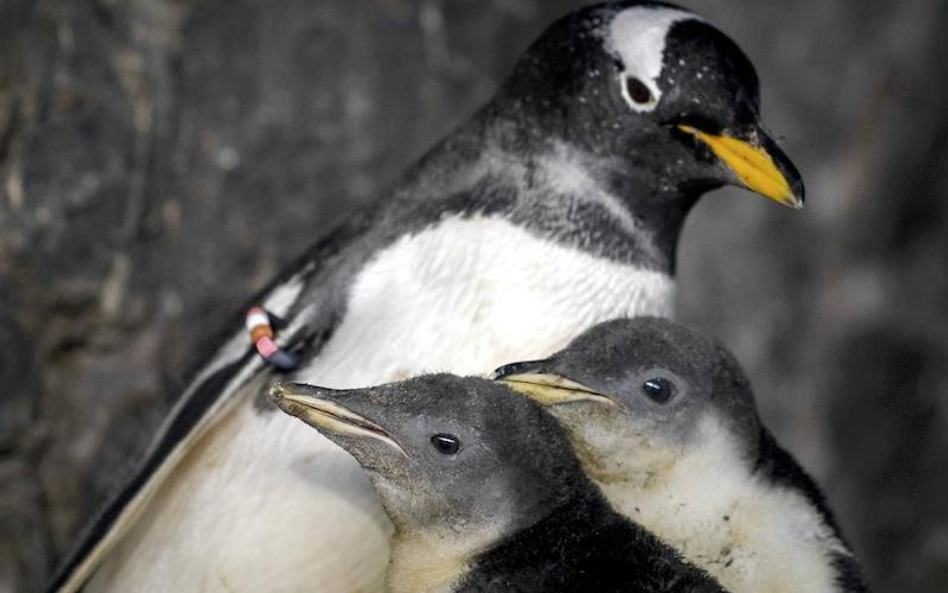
431,560
583,545
751,533
440,558
552,188
536,557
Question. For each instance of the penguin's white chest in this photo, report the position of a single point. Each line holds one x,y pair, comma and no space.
266,503
471,294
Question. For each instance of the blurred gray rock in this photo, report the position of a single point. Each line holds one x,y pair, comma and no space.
160,160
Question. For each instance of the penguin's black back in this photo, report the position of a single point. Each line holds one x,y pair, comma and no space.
583,547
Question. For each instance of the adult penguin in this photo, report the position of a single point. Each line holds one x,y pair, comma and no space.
554,207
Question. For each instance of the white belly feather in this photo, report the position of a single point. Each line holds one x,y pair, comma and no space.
265,503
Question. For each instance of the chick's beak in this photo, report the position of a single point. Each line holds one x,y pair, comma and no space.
321,409
757,163
549,389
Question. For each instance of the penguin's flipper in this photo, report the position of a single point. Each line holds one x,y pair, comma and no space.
215,390
211,395
203,403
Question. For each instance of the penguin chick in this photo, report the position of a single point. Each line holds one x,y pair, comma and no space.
666,425
485,492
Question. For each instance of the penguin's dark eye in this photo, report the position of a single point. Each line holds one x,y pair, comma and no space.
659,390
446,444
637,90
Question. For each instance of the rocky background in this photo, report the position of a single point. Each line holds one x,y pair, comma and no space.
161,159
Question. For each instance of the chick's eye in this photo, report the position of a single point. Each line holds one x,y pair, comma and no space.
659,390
446,444
637,90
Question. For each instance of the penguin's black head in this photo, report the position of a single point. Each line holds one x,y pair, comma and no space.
636,395
670,102
440,452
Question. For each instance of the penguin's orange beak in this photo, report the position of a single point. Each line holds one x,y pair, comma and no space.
757,163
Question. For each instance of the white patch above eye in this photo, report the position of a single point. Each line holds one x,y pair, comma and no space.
637,37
